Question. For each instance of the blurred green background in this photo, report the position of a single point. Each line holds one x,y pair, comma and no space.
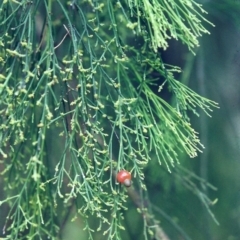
214,73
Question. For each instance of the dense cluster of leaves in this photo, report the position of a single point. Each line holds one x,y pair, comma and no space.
78,76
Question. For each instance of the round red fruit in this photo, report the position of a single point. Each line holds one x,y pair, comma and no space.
124,177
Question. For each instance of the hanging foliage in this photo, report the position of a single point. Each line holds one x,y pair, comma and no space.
79,102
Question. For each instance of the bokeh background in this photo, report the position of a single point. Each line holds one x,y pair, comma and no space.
215,73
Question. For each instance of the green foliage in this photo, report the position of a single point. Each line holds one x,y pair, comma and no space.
79,101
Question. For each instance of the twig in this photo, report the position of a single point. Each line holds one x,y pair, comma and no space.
176,226
143,206
63,37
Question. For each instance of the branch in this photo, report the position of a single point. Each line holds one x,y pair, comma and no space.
142,205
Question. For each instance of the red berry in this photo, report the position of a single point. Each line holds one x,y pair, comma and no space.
124,177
